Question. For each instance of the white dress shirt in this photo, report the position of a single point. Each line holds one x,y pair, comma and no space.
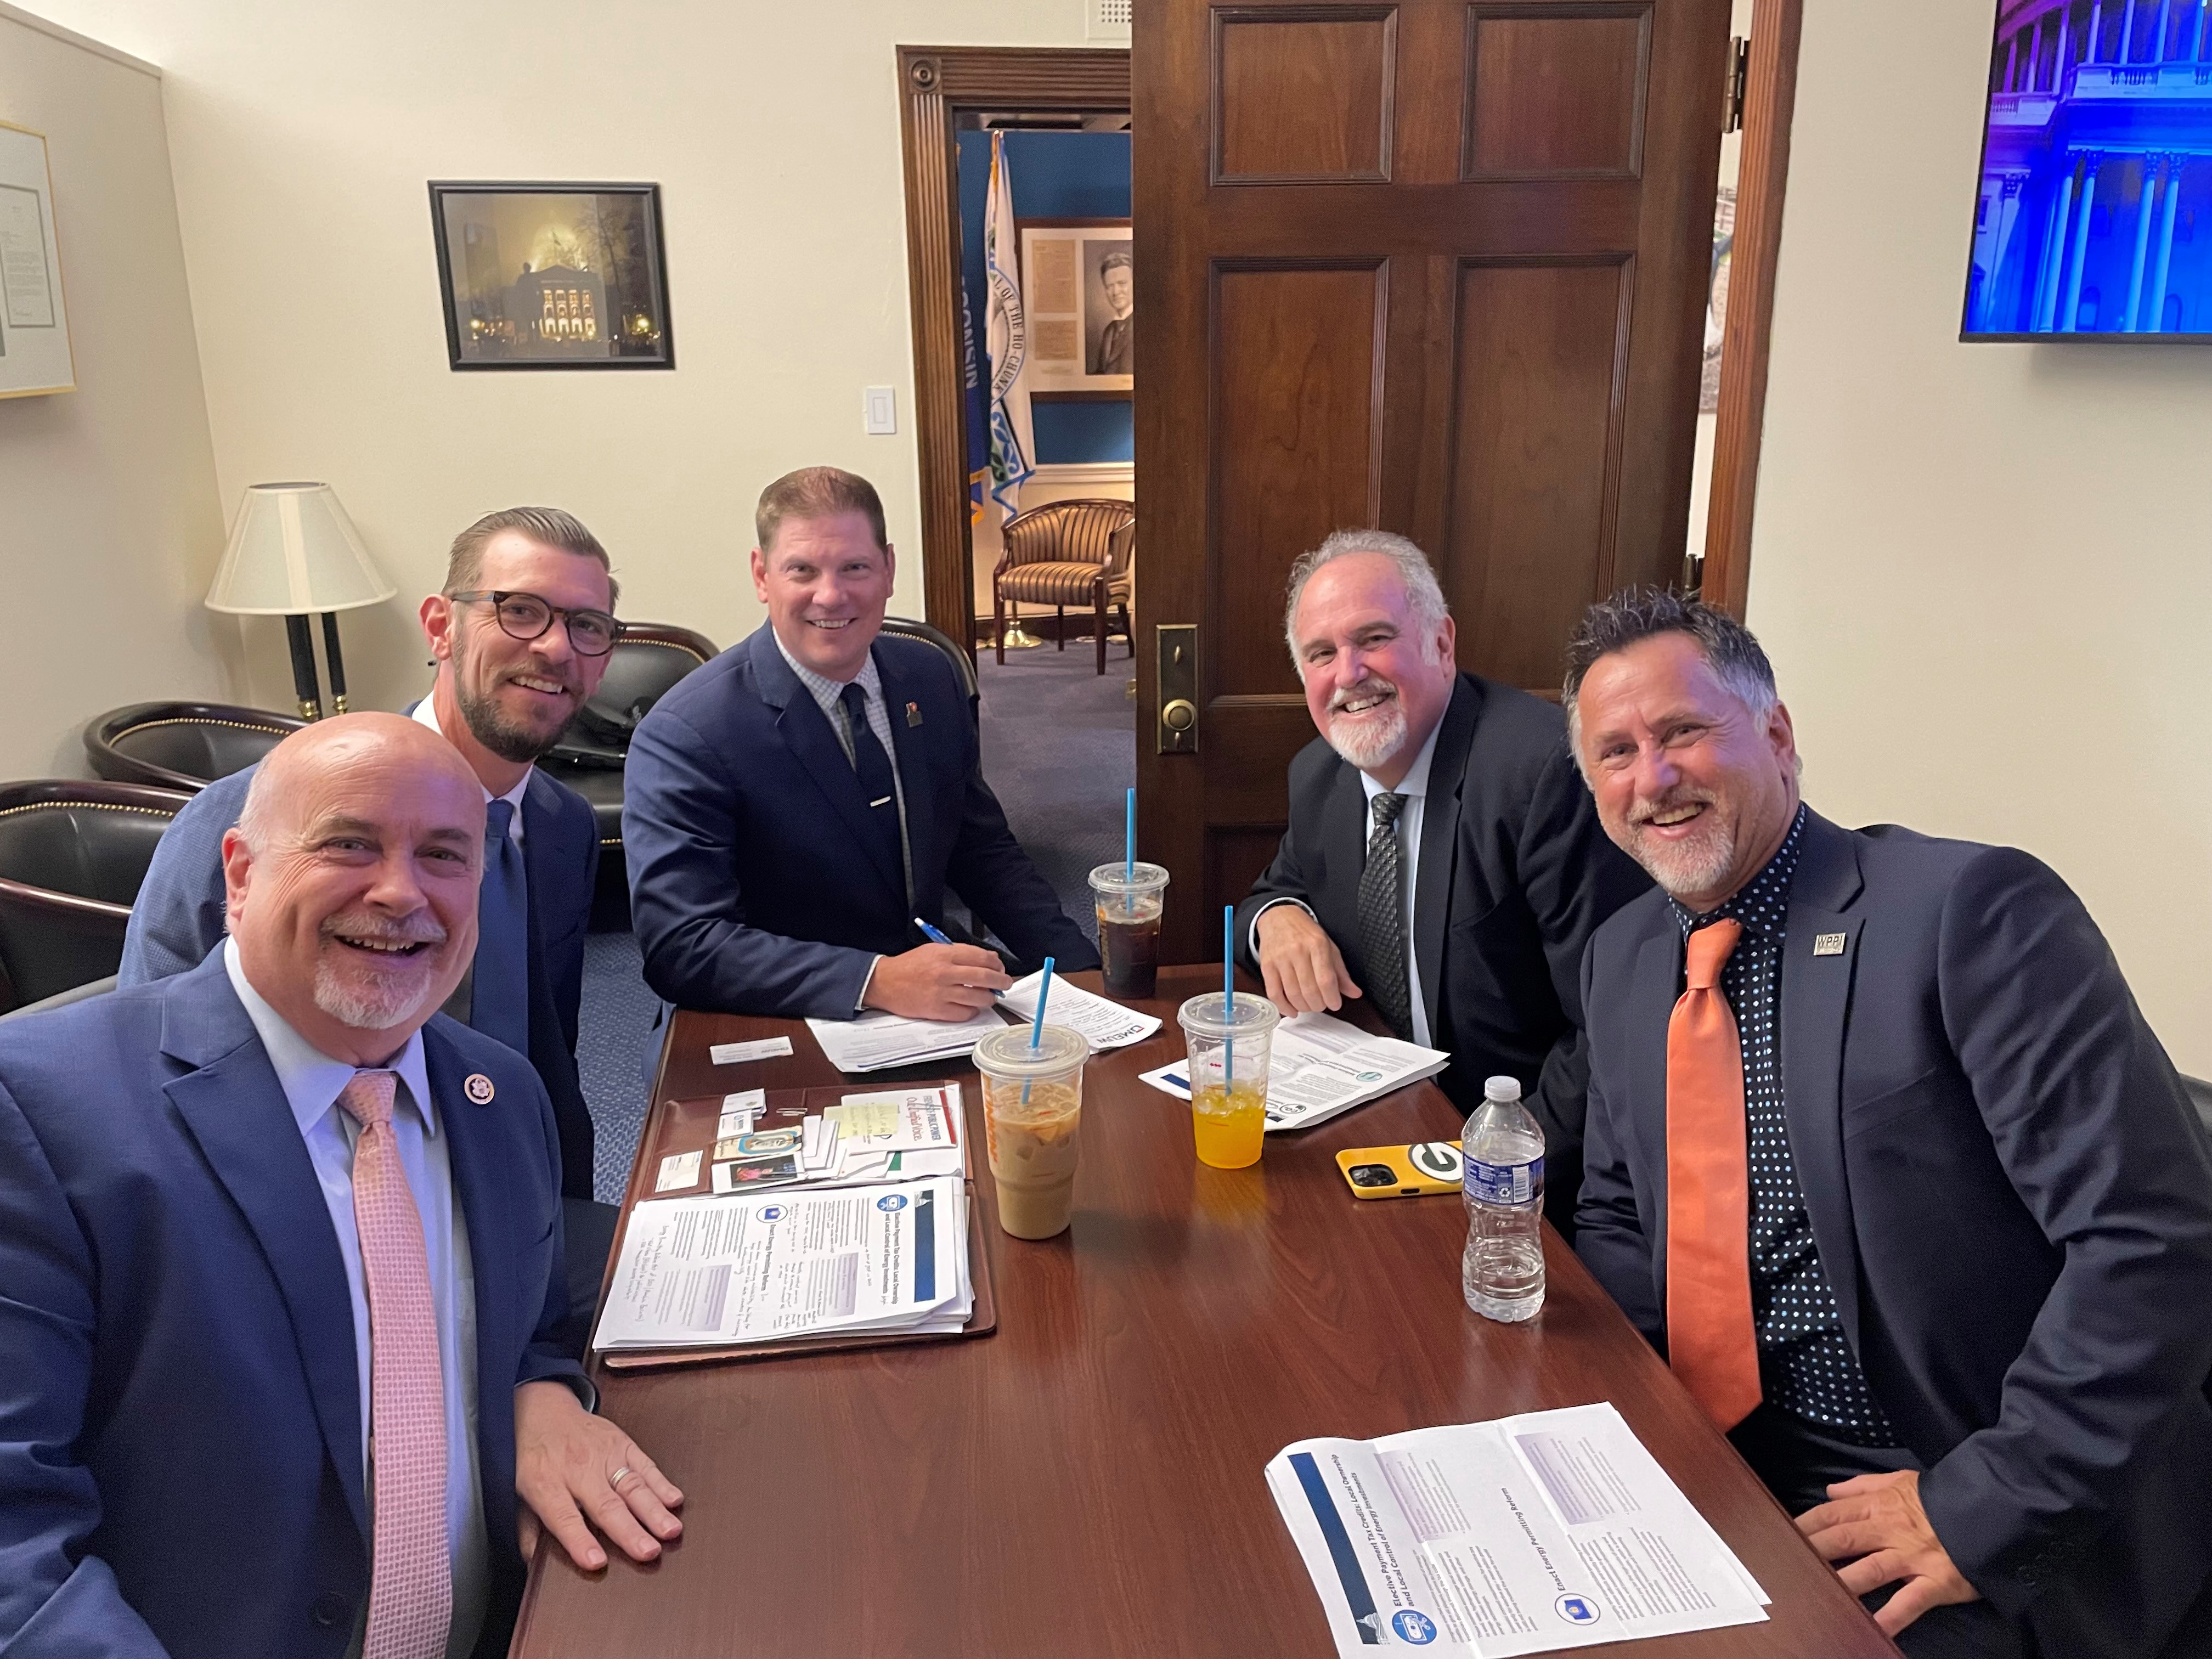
1414,787
312,1082
425,714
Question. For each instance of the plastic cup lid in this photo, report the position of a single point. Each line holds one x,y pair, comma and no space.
1007,1053
1115,878
1254,1016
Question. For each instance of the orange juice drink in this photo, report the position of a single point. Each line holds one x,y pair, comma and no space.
1227,1043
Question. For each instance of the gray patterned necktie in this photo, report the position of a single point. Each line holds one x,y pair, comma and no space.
1382,918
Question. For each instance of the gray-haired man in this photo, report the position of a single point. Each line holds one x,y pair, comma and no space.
1443,860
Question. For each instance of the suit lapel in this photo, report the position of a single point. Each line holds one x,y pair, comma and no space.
1343,848
484,1211
1432,883
909,754
1653,991
806,733
234,1106
1816,995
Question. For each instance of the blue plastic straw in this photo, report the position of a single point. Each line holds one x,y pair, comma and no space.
1037,1025
1228,997
1129,837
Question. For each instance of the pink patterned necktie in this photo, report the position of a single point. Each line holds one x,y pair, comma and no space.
410,1592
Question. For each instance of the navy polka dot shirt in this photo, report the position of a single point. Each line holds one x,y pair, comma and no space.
1805,1365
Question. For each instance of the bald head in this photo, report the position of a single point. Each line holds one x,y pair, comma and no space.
351,880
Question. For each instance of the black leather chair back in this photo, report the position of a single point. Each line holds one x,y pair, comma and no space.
964,666
647,661
182,746
72,856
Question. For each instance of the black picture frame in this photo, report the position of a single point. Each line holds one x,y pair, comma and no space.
609,305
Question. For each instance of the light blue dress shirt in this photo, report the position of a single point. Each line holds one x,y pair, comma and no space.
312,1082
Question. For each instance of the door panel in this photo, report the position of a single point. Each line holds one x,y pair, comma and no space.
1432,265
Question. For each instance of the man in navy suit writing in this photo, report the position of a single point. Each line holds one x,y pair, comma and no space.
791,808
1883,1155
281,1248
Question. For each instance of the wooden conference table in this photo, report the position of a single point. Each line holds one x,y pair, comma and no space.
1087,1481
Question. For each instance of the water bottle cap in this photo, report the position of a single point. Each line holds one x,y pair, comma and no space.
1501,1088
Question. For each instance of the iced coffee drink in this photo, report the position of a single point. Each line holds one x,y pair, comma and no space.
1032,1115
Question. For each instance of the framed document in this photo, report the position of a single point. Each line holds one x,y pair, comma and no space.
35,342
552,275
1079,298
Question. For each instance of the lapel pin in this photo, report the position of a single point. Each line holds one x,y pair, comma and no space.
914,713
478,1088
1828,945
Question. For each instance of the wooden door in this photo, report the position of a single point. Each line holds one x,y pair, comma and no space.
1434,265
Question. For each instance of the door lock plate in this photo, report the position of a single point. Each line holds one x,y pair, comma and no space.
1178,727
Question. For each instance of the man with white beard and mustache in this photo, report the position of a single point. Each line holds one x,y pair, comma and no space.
280,1251
1883,1157
520,634
1442,861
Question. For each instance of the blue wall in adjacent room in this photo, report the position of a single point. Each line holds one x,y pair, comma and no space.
1056,175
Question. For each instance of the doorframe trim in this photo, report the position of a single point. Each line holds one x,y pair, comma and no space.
937,84
1770,100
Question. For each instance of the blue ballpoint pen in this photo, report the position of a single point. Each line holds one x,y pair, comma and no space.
936,936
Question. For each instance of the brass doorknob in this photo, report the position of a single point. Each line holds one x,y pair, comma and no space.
1179,716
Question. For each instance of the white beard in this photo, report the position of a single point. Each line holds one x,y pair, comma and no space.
1368,745
1694,866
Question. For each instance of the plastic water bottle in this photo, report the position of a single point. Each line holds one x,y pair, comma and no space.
1503,1147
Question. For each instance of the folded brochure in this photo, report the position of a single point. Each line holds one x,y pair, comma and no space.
1552,1529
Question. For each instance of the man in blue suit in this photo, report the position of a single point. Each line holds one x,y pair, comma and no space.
1882,1154
520,635
789,809
261,1216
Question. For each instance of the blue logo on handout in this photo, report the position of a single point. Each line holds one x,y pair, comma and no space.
891,1201
1415,1627
1575,1610
773,1212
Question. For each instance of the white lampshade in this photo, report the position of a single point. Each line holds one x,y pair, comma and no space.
293,551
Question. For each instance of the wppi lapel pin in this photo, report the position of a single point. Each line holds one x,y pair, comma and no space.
1828,945
478,1088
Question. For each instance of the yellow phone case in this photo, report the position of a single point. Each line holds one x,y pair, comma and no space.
1426,1166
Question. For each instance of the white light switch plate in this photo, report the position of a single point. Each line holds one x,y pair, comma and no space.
879,410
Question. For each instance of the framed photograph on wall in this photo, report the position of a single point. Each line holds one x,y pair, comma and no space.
552,275
1079,299
34,340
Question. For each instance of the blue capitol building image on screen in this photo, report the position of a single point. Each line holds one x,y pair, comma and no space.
2096,171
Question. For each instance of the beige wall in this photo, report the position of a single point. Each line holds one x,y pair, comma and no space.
109,529
1985,572
303,137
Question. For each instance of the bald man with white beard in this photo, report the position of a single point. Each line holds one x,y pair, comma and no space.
1443,864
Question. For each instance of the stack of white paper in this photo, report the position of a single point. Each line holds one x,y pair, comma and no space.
1554,1529
898,1135
876,1042
1318,1067
765,1266
1107,1024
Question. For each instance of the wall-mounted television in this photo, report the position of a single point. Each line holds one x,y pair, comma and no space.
2095,218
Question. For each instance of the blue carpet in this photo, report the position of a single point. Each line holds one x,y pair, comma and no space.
1060,749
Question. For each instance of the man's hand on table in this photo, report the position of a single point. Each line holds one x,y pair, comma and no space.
1304,970
1878,1519
936,982
569,1464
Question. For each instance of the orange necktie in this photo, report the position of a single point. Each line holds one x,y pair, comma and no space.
1710,1340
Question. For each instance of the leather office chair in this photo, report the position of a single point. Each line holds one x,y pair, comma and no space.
648,658
182,746
72,856
1063,553
963,666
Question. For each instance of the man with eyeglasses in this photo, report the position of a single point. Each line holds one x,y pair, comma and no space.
519,633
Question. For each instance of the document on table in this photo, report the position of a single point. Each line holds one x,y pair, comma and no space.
1107,1024
1318,1067
876,1042
761,1267
1552,1529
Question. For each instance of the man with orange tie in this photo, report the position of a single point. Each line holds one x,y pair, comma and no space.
1881,1154
280,1265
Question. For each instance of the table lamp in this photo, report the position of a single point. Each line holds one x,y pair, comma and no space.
293,551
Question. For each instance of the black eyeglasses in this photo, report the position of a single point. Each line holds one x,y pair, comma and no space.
525,617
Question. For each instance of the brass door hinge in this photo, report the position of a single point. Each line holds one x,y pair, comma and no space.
1738,78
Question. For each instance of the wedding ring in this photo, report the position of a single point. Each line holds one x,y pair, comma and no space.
616,1479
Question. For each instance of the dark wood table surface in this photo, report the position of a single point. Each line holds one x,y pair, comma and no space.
1087,1481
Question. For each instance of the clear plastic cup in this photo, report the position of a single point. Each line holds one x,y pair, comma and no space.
1227,1048
1127,902
1032,1109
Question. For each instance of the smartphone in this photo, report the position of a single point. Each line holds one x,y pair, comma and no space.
1426,1166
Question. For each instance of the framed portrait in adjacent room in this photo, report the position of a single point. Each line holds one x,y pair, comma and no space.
552,275
1079,299
34,338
